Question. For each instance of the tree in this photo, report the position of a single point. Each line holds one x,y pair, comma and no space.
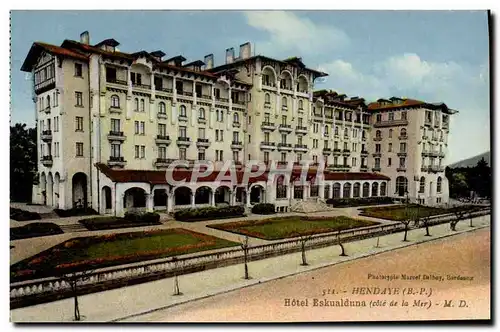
245,246
459,213
426,221
176,278
73,279
411,214
342,246
303,241
23,161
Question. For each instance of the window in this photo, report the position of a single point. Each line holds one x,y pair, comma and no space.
390,147
79,99
379,117
401,185
158,83
353,161
283,156
201,133
336,131
236,118
354,133
402,147
390,133
383,188
354,147
182,154
283,138
115,150
78,70
391,116
422,185
299,122
182,132
201,113
182,111
335,160
366,189
142,105
115,125
136,78
79,123
389,162
79,149
315,127
283,120
299,157
217,93
266,157
56,124
110,74
162,152
219,155
136,104
236,155
315,159
201,155
137,152
139,127
315,143
161,108
402,162
143,152
378,148
403,132
438,186
249,139
301,104
346,132
266,117
236,136
48,101
115,101
198,90
281,188
162,129
266,137
326,130
356,189
377,162
284,101
378,134
403,115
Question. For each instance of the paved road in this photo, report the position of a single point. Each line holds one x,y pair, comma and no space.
465,255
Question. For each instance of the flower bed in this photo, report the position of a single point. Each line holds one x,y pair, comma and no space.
130,220
23,215
401,212
208,213
34,230
353,202
75,212
88,253
293,226
264,208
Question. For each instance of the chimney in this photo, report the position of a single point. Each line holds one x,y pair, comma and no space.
229,55
209,61
245,50
85,38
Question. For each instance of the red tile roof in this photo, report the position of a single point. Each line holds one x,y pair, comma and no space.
159,177
406,103
38,47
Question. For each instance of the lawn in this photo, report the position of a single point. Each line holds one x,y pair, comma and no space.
288,227
113,249
400,212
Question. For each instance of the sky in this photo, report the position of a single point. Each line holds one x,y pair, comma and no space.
436,56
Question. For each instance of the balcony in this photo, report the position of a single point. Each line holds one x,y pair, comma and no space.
425,137
202,142
441,154
236,145
267,105
301,147
116,136
161,162
376,139
377,154
376,169
47,109
425,153
364,168
236,124
267,145
346,151
284,147
141,86
268,126
47,161
327,151
45,85
116,81
424,169
401,169
239,102
46,135
222,100
162,139
207,97
446,125
337,152
301,130
202,120
405,137
402,154
115,110
437,124
364,153
162,89
433,153
428,122
390,123
183,141
363,138
116,161
285,128
183,118
161,115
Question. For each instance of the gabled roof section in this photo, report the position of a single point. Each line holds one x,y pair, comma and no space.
195,63
401,103
38,47
71,44
158,54
108,42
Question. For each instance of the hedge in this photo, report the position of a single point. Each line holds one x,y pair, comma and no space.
352,202
23,215
75,212
264,208
34,230
207,213
131,219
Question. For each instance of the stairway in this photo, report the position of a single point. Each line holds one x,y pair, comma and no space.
310,206
73,228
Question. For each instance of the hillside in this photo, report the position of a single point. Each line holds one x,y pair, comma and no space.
471,162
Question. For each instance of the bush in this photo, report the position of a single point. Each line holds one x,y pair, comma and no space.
151,217
264,208
22,215
34,230
75,212
131,219
352,202
207,213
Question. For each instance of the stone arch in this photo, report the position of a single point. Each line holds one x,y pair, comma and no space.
301,104
267,98
57,190
302,83
182,195
401,185
203,195
326,191
356,190
79,190
106,200
383,189
182,110
439,185
134,197
366,189
115,101
43,187
378,134
50,190
422,185
273,76
286,80
256,194
375,189
337,188
222,195
162,108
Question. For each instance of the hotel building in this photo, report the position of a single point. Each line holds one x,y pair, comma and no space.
110,123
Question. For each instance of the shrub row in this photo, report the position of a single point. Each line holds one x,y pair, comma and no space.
352,202
22,215
75,212
132,219
34,230
207,213
264,208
